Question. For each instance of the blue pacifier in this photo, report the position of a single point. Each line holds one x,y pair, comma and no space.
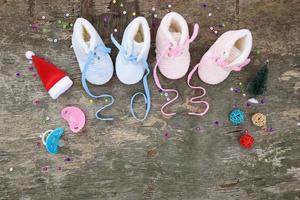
53,141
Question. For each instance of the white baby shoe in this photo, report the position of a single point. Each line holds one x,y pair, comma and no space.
136,43
131,61
85,40
93,58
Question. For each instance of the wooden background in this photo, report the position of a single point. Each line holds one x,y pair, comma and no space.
179,158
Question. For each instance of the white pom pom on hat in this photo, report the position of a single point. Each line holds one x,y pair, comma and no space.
29,54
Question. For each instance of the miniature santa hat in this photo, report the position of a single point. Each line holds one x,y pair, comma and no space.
54,80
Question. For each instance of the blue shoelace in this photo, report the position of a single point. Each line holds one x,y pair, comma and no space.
146,95
91,56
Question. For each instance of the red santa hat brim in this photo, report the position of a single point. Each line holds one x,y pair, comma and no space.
60,87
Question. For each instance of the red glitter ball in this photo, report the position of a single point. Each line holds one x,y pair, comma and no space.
246,141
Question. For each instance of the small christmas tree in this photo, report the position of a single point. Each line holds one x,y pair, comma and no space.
258,84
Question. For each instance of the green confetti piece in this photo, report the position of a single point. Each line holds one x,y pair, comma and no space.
257,51
59,21
45,30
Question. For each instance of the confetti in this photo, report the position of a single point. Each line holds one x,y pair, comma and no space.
67,159
210,14
36,102
91,101
298,123
115,30
105,19
166,135
155,15
114,1
216,123
263,101
11,169
121,5
59,168
169,6
199,129
204,5
234,105
18,74
257,51
133,14
38,144
237,90
151,153
30,68
43,17
34,27
248,104
55,40
168,99
124,12
47,118
67,14
153,9
45,30
45,169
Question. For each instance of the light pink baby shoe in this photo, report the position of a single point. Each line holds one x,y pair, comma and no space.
172,51
229,52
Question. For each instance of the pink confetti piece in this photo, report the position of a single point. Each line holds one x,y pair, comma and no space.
45,169
166,135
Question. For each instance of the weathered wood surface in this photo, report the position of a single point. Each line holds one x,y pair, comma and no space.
125,159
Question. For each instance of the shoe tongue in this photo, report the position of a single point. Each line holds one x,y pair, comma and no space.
234,54
176,36
137,48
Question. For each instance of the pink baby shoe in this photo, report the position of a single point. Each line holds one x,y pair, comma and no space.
229,52
172,51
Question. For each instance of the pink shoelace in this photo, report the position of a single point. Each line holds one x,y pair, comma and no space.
195,100
172,51
237,67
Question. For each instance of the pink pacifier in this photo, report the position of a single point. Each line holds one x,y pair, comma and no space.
75,118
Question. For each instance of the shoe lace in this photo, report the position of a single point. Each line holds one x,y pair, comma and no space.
195,100
91,56
146,95
223,63
172,51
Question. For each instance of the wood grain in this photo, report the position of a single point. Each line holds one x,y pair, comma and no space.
124,159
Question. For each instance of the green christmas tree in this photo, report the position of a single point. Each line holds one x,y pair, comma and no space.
258,84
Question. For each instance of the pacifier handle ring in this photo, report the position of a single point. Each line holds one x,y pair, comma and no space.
44,135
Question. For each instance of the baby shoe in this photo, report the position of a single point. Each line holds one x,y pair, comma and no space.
93,58
131,61
172,51
229,52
